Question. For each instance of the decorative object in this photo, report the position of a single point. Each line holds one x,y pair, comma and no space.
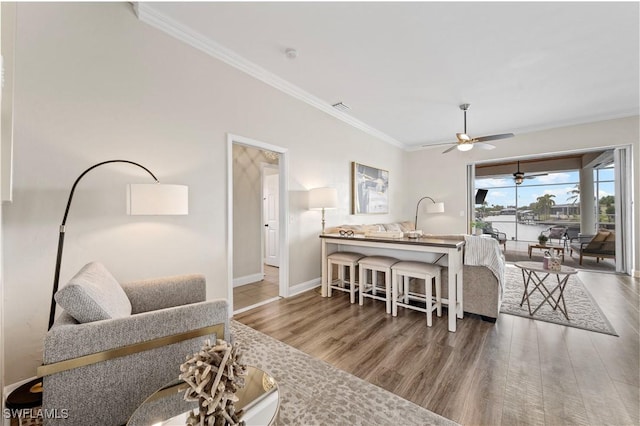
431,208
214,375
585,313
477,227
138,206
370,190
542,239
308,388
323,199
551,262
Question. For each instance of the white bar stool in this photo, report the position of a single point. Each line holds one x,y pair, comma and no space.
401,294
376,264
343,259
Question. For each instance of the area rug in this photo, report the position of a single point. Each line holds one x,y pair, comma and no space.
582,309
313,392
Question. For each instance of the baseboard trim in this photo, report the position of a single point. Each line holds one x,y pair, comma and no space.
305,286
247,279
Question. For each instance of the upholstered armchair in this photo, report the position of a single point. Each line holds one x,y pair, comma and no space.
114,345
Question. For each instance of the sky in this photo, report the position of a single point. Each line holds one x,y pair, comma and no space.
502,190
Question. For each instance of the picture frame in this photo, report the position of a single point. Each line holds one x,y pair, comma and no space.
369,189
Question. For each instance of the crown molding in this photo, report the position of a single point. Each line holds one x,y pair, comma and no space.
156,19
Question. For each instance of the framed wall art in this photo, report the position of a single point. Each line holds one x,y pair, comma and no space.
370,190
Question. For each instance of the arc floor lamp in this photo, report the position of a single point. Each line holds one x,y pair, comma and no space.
431,208
142,199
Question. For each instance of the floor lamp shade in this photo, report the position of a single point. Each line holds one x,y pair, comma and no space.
157,199
435,207
323,198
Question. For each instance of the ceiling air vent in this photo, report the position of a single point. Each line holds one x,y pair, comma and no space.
341,107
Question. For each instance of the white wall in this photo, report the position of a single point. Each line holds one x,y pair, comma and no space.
443,176
96,84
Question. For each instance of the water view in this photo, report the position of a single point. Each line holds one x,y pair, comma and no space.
526,231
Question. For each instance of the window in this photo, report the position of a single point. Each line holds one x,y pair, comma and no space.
539,203
604,187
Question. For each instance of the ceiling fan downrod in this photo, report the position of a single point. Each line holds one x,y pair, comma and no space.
464,108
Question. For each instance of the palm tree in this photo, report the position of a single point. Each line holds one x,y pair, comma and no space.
575,194
545,203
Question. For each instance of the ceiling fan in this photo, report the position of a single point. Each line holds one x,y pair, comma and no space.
519,176
466,142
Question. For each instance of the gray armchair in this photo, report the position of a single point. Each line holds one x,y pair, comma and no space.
169,319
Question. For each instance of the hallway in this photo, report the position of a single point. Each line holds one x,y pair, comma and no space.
253,293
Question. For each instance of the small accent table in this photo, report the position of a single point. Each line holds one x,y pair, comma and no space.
530,272
258,404
558,249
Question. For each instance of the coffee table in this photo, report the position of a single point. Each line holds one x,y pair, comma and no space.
259,401
530,275
558,249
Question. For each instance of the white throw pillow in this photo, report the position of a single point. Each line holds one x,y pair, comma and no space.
93,294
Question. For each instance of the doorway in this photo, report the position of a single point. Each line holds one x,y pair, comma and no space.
257,252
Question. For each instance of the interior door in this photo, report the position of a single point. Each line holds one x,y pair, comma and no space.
271,202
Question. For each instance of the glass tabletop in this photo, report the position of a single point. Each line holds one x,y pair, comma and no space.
259,401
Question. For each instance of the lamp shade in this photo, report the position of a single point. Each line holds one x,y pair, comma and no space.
157,199
323,198
435,207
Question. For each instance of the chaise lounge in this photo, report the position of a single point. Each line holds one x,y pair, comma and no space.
601,245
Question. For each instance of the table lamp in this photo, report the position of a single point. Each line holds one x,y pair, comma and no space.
322,199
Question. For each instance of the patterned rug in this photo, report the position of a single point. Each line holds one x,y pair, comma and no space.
582,309
313,392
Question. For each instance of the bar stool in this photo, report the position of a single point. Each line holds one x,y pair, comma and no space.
376,264
343,259
401,294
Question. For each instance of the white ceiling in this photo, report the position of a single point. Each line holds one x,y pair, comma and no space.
404,68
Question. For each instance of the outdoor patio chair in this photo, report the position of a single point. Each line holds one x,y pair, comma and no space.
557,233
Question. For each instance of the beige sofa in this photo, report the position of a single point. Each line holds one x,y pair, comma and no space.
482,293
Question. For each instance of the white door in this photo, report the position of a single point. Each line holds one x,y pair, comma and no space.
271,234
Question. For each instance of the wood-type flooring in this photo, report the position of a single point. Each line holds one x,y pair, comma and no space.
517,371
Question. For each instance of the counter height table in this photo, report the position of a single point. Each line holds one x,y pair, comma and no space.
417,249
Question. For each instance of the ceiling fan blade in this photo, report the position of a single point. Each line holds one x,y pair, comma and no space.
493,137
430,145
450,149
536,175
483,145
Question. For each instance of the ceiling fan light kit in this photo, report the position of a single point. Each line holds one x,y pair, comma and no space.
465,146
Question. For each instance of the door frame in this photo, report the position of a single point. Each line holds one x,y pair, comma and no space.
283,206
